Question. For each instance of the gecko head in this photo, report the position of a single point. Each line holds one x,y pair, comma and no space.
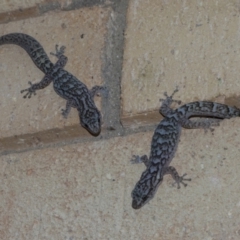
91,121
144,190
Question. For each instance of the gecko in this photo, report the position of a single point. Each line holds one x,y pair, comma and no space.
165,141
65,84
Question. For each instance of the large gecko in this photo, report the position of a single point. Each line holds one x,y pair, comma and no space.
64,83
165,141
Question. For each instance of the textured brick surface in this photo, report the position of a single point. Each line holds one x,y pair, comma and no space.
83,191
11,5
194,45
82,32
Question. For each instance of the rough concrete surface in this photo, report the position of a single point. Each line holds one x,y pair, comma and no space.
83,191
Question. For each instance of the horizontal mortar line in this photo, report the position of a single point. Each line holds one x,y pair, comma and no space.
141,119
44,140
16,15
40,9
76,134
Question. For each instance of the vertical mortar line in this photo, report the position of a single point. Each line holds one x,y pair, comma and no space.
112,70
112,66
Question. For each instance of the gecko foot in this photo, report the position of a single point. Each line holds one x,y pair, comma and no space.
169,99
211,123
137,159
180,179
65,112
59,51
29,91
96,90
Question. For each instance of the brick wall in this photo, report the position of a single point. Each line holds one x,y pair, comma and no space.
59,182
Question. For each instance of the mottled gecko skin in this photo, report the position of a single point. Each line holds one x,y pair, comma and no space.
165,140
65,84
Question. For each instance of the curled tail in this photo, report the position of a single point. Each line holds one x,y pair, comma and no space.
31,46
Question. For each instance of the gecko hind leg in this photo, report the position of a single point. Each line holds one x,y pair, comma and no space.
62,59
30,91
99,89
59,51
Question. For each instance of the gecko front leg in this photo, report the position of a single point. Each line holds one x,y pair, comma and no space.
137,159
178,179
69,105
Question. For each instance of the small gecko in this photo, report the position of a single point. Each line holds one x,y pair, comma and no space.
165,141
65,84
